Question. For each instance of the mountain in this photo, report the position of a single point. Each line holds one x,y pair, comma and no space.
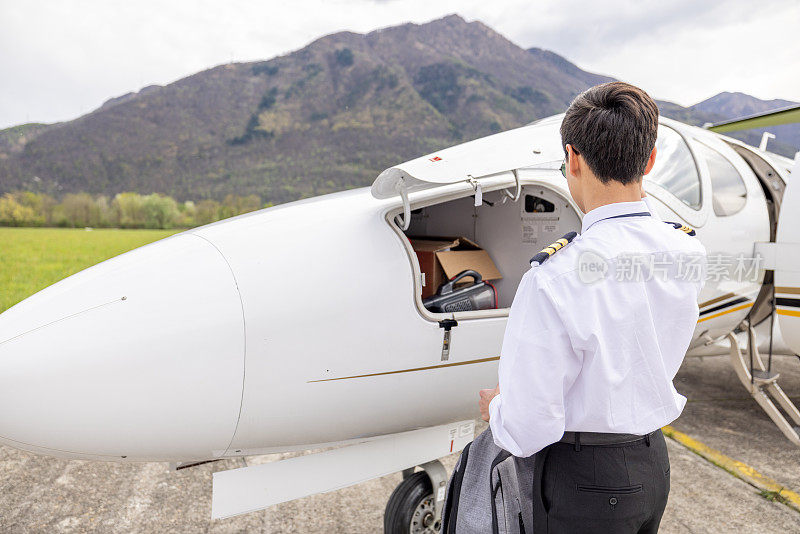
728,106
737,105
326,117
329,116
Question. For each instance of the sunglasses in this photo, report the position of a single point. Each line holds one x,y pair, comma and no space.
564,164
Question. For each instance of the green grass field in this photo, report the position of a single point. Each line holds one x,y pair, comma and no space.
34,258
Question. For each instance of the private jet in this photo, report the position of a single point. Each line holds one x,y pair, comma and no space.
308,325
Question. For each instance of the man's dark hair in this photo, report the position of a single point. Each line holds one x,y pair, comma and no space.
613,126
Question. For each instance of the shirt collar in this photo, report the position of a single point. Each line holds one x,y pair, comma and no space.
612,210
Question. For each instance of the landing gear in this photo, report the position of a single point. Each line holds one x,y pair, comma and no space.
762,384
410,509
414,507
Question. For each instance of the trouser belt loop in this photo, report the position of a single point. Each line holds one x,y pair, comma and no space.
577,441
647,439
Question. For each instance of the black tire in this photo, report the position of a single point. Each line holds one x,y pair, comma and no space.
399,516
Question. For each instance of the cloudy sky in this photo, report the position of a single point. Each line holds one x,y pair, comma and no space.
61,59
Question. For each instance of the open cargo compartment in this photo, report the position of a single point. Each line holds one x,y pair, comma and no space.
510,231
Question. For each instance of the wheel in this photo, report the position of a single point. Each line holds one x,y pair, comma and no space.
410,508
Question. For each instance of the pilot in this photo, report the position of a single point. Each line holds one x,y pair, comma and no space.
597,330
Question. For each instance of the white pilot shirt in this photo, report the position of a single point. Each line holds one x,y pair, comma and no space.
595,349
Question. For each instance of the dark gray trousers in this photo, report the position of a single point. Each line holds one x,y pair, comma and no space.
609,489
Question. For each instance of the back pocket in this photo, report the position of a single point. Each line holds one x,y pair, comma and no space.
610,502
622,490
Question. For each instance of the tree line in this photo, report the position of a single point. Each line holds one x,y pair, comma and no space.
124,210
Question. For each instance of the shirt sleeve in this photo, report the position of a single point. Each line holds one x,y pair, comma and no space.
538,365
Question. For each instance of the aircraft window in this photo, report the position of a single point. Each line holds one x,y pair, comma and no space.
728,192
675,169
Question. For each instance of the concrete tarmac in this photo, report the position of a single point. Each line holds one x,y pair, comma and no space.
721,414
42,494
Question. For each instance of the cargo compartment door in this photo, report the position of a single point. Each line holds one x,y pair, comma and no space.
502,152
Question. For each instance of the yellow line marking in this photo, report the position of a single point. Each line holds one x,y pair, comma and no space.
721,297
735,308
455,364
793,313
736,468
791,290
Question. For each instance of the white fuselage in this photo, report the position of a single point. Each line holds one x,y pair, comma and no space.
288,328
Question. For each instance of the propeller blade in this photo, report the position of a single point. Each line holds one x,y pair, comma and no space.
786,115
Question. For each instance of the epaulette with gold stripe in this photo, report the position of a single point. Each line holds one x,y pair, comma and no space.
682,227
549,250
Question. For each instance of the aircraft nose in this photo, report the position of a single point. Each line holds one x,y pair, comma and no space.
141,356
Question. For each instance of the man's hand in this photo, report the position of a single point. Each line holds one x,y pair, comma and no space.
486,397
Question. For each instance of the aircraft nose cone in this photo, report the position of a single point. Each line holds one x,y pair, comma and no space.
141,356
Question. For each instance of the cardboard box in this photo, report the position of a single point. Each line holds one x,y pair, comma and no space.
441,258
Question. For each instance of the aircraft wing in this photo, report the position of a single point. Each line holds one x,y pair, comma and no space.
777,117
